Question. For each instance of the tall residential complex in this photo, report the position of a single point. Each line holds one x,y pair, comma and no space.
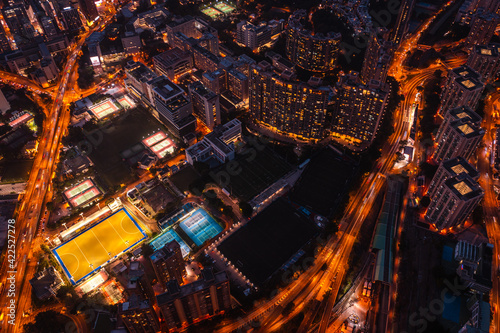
458,138
463,87
286,105
358,110
485,59
463,113
482,28
454,201
205,104
449,169
168,263
138,315
378,57
183,305
313,52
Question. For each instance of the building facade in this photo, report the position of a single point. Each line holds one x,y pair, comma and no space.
138,315
183,305
458,138
454,201
168,263
449,169
463,87
358,110
313,52
285,105
205,104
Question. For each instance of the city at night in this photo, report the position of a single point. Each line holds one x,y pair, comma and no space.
250,166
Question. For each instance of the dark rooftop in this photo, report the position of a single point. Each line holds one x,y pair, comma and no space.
268,241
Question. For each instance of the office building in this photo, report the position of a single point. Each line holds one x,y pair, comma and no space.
458,138
131,42
219,144
401,28
449,169
71,19
253,36
138,315
358,110
137,77
482,28
237,83
463,86
286,105
171,106
378,57
454,201
463,113
173,63
89,10
485,60
313,52
168,263
198,31
204,59
205,104
183,305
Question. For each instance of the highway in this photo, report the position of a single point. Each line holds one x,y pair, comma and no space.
32,205
490,205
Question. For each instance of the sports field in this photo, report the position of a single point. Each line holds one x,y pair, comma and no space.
164,147
154,139
200,226
89,251
212,12
82,193
126,102
166,237
224,7
84,197
104,108
80,188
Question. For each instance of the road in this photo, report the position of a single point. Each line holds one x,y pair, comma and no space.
39,184
490,205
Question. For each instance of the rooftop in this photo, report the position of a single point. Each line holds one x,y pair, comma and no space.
165,88
459,165
464,187
174,291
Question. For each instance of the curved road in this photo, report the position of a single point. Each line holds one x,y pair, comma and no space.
39,183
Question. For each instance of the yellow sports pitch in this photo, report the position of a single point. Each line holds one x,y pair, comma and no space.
91,249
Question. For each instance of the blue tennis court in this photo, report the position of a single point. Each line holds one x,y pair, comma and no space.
200,226
166,237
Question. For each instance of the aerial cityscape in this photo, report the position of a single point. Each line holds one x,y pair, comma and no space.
250,166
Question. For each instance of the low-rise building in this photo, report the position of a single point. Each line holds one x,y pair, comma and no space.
218,144
46,283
